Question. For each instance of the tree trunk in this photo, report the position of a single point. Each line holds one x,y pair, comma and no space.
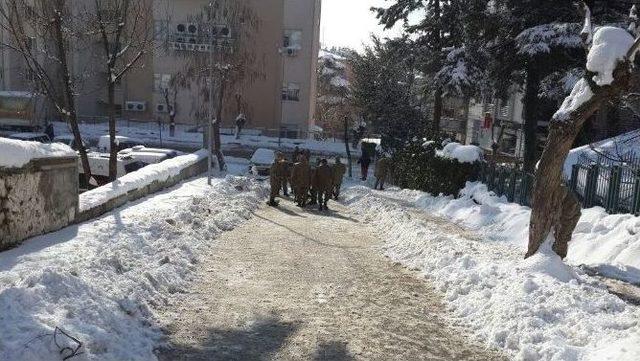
437,112
216,125
531,113
69,100
548,195
348,148
113,148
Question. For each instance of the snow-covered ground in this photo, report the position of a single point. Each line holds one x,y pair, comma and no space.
149,134
102,281
535,309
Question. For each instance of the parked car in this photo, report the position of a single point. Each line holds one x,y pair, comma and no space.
31,137
261,162
69,140
149,155
104,144
99,164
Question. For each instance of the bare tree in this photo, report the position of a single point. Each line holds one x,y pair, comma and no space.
42,32
553,206
227,65
123,28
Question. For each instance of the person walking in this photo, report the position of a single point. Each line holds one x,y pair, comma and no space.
338,171
313,189
323,184
276,175
382,171
365,162
300,178
241,121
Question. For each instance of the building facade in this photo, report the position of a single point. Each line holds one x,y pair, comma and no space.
278,38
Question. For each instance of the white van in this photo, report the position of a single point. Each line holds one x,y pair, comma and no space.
104,143
99,163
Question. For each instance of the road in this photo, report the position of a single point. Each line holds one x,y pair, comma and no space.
295,284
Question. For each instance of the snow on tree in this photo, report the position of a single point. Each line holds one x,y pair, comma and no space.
335,109
610,67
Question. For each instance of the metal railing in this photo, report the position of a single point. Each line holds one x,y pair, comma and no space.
614,187
509,181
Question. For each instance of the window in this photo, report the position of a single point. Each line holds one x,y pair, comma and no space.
292,39
291,92
161,82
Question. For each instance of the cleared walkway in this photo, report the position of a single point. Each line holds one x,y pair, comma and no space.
295,284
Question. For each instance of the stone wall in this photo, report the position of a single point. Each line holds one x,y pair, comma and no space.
38,198
156,186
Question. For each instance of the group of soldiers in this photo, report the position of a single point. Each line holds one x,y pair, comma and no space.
311,184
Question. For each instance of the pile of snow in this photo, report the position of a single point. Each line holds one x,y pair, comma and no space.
17,153
534,309
610,45
580,94
140,178
104,281
461,153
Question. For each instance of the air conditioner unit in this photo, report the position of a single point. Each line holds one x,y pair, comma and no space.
161,108
181,29
193,29
134,106
222,31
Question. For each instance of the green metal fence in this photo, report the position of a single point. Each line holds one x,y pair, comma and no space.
616,188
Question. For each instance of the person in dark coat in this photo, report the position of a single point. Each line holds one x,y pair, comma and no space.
48,130
323,183
365,162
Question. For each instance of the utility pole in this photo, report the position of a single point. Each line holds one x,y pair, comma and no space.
211,105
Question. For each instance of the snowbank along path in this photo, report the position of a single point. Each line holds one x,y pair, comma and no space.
102,281
300,285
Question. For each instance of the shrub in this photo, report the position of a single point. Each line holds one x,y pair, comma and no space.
418,167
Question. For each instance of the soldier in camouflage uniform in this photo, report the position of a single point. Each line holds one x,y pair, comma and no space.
323,182
338,170
300,178
313,189
383,166
288,166
277,174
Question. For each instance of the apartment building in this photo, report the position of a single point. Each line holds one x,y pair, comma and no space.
283,46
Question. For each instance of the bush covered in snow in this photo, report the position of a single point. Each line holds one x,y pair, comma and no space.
419,165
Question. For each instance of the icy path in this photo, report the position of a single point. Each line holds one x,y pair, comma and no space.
103,280
299,285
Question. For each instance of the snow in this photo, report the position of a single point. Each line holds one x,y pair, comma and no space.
138,179
104,281
542,38
461,153
340,82
580,94
148,133
610,46
17,153
535,309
